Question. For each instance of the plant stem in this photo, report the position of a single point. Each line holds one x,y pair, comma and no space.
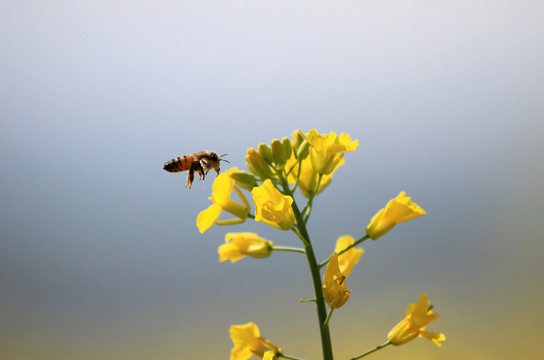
308,208
379,347
316,280
287,248
329,317
302,233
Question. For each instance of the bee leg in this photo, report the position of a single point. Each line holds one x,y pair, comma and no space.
190,178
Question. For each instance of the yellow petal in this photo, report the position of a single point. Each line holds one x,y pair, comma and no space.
350,258
247,342
433,337
230,251
206,218
241,353
419,314
221,188
269,355
402,209
272,207
241,335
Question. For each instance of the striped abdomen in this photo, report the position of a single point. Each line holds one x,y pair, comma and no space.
182,163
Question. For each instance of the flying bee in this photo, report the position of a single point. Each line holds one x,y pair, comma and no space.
200,162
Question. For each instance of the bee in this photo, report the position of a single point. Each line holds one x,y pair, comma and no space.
200,162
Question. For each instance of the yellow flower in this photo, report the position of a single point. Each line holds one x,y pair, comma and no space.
238,245
272,207
308,178
269,355
248,342
397,210
221,189
418,316
334,285
327,150
350,258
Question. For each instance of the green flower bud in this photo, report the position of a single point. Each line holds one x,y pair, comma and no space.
265,151
244,179
257,164
287,147
298,138
278,153
303,150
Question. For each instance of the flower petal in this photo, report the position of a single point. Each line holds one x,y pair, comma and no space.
206,218
350,258
433,337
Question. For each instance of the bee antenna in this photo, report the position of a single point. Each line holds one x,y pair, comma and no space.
221,158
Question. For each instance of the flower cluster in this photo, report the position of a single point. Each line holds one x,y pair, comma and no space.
307,162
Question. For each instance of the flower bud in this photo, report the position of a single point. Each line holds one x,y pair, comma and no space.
257,164
287,147
244,179
265,151
303,150
278,152
298,138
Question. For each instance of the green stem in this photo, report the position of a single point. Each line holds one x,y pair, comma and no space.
316,279
329,317
287,248
346,249
299,163
308,208
379,347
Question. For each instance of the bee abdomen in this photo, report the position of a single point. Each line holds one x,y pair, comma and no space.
178,164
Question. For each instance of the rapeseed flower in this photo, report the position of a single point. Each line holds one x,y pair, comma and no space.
272,207
327,150
247,342
334,285
397,210
418,316
221,190
238,245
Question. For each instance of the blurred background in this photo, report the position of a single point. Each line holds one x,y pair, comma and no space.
100,257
